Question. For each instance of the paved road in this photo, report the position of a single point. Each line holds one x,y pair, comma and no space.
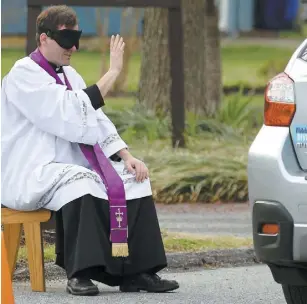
216,219
244,285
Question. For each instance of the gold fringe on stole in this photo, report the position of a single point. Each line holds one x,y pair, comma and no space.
120,250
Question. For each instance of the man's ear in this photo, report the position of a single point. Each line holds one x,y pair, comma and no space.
43,38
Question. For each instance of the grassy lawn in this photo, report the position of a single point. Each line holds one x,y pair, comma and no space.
119,103
126,103
181,242
240,64
173,242
295,34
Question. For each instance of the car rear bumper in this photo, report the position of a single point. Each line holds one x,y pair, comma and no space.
277,250
273,248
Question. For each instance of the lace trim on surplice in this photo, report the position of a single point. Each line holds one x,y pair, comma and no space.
84,114
109,140
83,175
78,176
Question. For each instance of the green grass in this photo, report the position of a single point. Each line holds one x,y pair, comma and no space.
126,103
240,64
295,34
49,253
179,242
119,103
173,242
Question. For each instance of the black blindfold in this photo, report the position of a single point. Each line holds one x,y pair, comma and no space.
65,38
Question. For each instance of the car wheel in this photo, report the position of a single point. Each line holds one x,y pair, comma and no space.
295,294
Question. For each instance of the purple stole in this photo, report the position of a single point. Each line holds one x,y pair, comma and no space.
101,165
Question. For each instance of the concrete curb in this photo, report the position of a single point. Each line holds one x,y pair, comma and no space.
176,261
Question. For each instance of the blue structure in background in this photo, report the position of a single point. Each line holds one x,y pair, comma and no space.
235,16
276,14
292,10
14,18
245,15
238,14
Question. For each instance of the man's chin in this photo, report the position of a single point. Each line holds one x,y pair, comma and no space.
66,62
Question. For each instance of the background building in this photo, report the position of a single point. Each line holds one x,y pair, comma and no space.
235,16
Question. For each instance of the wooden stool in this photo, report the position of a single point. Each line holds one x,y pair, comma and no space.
12,221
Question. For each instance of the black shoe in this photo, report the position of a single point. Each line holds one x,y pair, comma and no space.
149,283
81,287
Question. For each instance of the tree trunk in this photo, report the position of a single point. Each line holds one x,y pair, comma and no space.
193,48
155,81
201,58
213,77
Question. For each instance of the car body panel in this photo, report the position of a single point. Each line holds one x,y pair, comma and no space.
297,71
274,175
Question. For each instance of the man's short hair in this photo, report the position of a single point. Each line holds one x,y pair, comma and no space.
53,17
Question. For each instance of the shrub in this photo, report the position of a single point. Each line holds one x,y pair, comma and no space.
139,123
212,167
237,117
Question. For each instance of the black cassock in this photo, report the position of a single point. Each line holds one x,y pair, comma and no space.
83,244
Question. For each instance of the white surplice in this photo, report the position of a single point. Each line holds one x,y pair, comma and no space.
41,125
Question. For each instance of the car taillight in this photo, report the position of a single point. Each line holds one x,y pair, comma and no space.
279,107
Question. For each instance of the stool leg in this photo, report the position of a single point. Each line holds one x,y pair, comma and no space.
6,282
12,235
35,250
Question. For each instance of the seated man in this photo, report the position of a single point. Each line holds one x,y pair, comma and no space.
50,121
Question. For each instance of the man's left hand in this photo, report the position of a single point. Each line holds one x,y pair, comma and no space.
136,167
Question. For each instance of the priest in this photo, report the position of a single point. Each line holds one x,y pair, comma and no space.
61,152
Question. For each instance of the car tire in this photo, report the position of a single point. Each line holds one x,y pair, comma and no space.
295,294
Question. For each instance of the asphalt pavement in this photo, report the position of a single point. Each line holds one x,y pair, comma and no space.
207,219
242,285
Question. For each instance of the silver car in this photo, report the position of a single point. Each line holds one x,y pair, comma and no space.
277,179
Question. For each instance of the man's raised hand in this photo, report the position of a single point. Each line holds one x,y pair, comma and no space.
117,47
